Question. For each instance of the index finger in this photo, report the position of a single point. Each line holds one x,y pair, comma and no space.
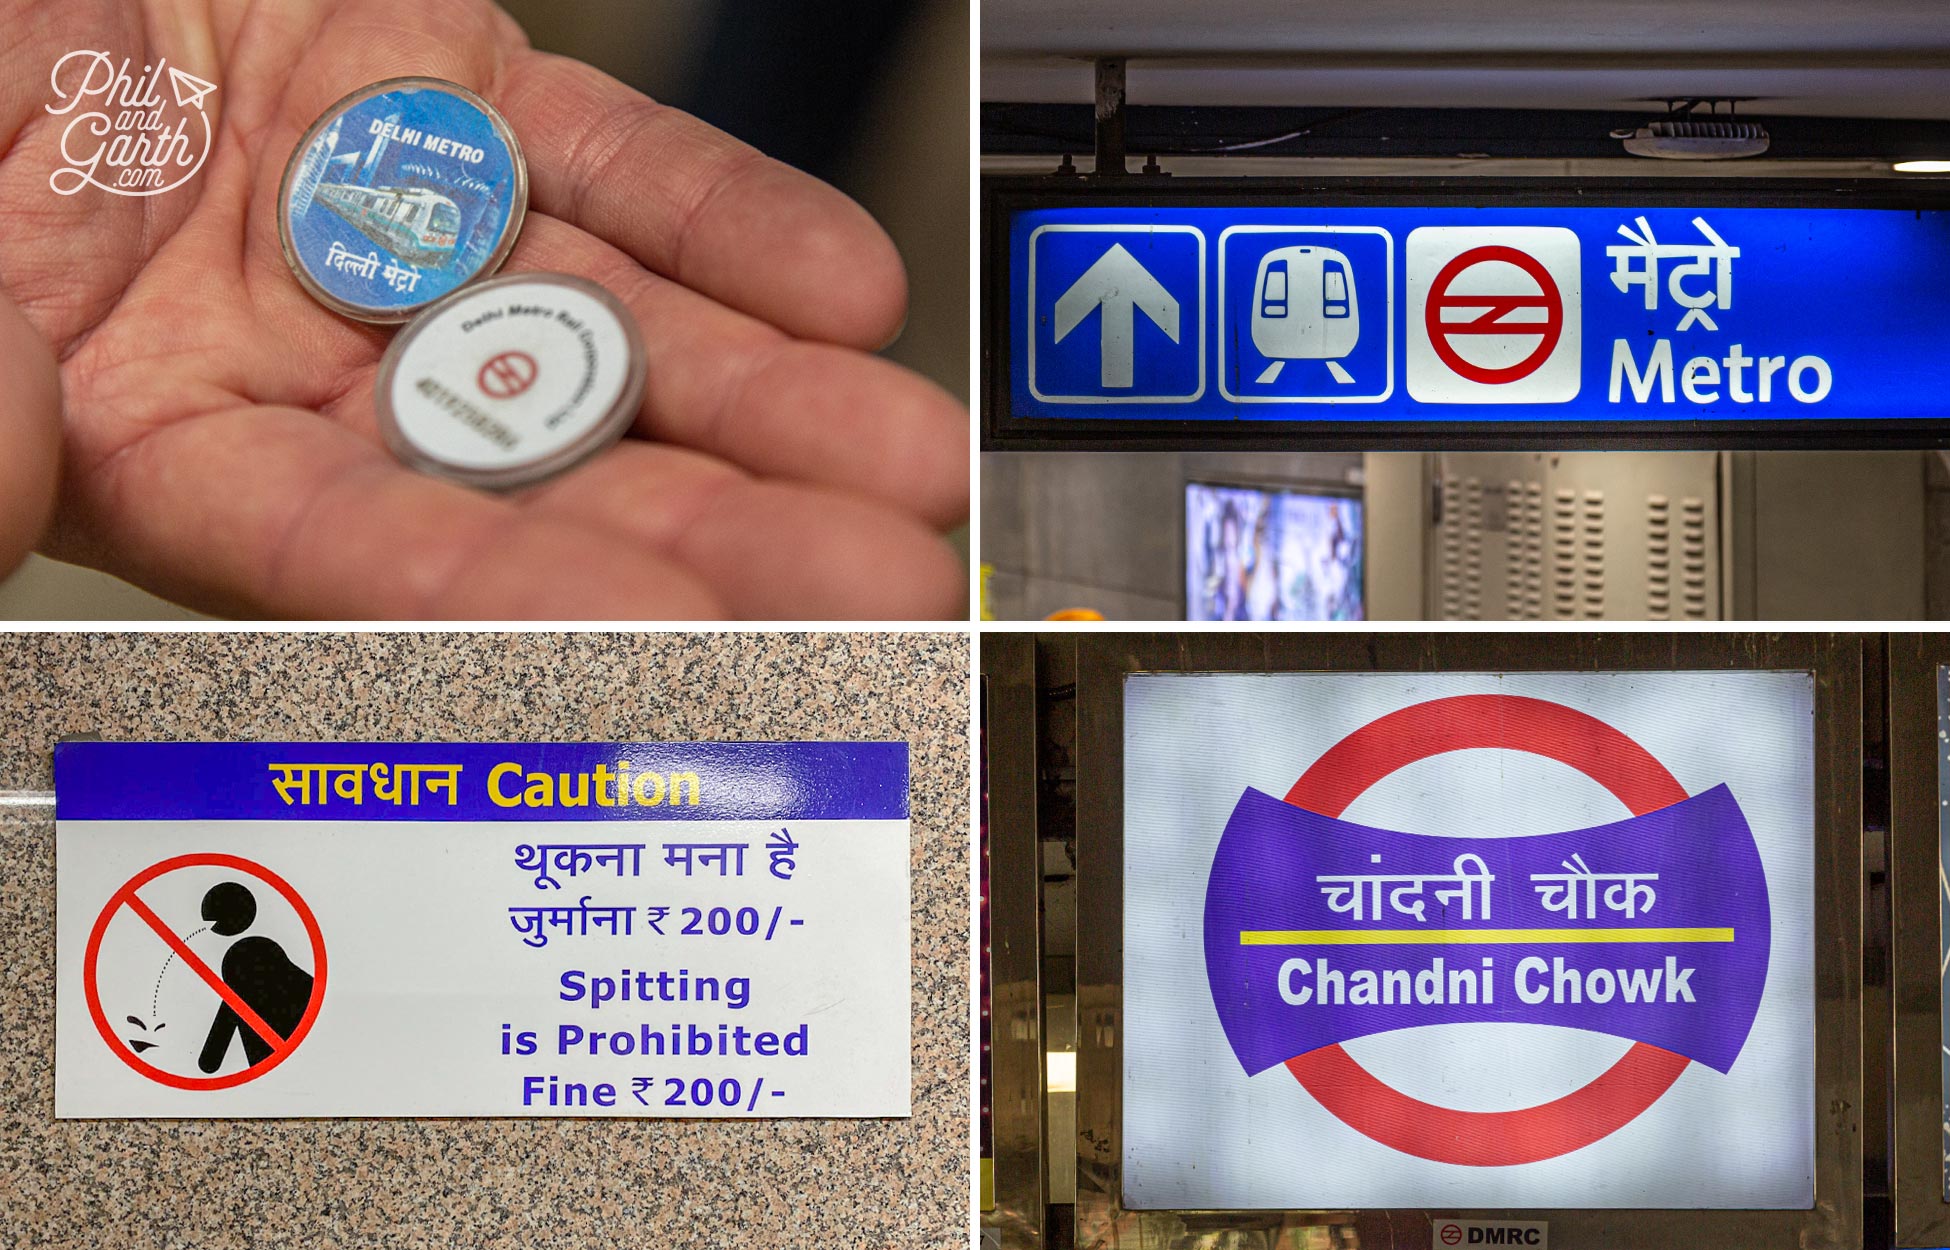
694,204
30,435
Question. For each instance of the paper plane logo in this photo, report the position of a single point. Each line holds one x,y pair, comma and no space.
124,136
190,89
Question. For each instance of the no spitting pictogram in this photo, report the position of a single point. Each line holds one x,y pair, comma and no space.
266,1001
1376,1109
1504,314
507,375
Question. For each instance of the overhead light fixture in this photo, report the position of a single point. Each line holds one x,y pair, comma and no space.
1683,135
1921,167
1062,1071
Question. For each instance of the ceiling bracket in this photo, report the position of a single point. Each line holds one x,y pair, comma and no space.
1110,117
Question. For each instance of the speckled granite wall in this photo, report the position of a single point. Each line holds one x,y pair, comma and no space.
474,1184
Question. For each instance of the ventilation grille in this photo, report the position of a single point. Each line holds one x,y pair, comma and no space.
1564,553
1577,554
1622,536
1685,568
1658,557
1462,549
1707,130
1692,555
1524,552
1591,555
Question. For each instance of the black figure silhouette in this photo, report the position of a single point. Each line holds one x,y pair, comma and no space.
261,974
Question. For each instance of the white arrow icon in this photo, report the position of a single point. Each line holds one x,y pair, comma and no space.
1118,283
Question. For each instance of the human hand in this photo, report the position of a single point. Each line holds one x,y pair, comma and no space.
221,446
30,436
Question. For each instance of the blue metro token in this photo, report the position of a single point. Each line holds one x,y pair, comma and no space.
402,192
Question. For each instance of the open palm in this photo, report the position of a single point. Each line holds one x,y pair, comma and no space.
219,444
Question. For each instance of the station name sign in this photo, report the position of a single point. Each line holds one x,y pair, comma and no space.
1468,941
1668,946
1202,323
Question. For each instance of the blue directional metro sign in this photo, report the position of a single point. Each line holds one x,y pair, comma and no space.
1594,316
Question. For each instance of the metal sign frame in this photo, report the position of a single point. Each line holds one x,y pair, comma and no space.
1916,1135
1104,660
1019,1116
1002,430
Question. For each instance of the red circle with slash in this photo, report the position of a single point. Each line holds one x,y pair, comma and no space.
1378,1110
281,1047
1492,318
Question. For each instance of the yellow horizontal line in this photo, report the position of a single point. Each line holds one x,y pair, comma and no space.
1470,937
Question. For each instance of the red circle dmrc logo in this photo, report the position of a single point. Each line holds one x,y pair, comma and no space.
507,375
1493,317
1376,1109
1451,1234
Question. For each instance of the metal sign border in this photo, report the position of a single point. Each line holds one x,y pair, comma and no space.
1001,430
1104,660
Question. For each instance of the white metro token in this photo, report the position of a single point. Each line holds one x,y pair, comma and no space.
511,380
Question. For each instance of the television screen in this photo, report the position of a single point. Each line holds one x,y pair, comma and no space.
1271,554
1438,940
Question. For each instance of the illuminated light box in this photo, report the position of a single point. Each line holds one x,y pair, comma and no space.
1469,940
1412,313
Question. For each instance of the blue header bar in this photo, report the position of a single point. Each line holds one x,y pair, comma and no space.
481,781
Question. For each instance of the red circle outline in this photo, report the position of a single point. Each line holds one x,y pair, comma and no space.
115,904
511,356
1614,1098
1551,328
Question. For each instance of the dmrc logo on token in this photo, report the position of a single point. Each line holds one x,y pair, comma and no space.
507,375
1494,315
1655,929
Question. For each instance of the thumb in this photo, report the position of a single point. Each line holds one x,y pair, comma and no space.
30,435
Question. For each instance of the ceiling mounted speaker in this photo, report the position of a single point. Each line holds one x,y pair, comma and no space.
1696,140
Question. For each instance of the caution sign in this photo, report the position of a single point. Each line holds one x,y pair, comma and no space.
482,929
204,971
